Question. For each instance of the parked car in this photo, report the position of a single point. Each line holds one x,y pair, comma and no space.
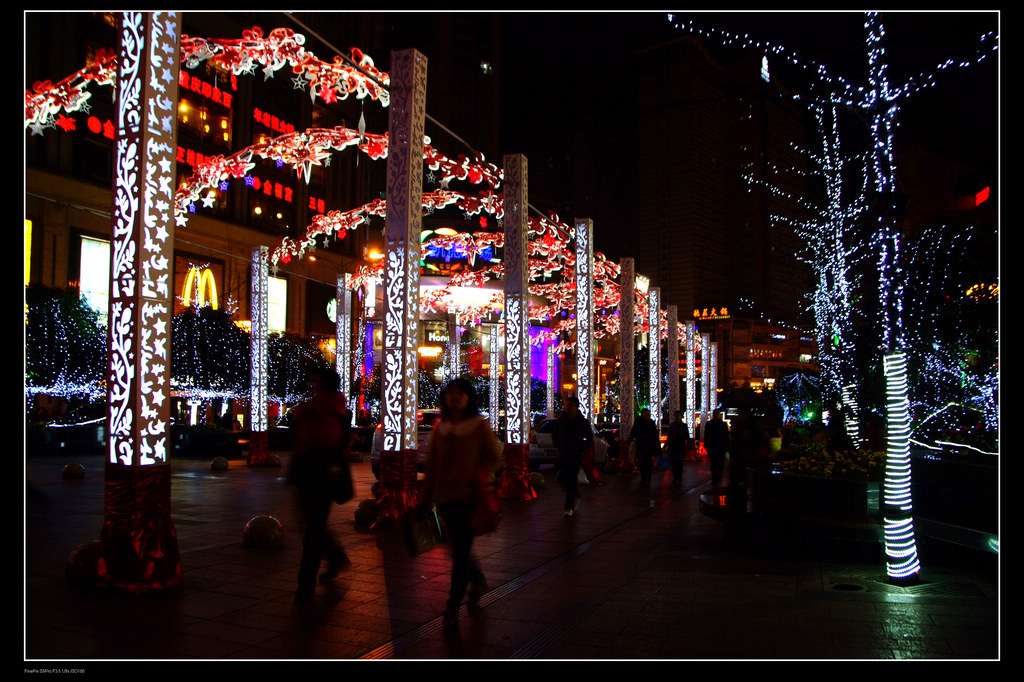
425,420
543,450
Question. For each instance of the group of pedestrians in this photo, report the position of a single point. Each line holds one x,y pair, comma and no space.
464,456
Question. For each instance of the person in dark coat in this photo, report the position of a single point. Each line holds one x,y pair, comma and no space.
678,443
323,434
572,436
716,442
648,443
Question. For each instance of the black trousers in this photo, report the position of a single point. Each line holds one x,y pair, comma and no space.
317,543
570,481
464,568
643,463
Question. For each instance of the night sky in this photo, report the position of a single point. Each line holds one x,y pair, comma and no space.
574,61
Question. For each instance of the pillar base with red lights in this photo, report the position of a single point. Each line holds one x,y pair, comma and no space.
515,477
627,465
138,542
398,490
259,449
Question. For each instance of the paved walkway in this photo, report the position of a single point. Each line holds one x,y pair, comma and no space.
640,573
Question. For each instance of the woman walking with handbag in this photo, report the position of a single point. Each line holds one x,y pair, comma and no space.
463,457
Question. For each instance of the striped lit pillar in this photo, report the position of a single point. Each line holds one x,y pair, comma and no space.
403,222
673,362
851,413
515,479
343,336
691,374
654,351
139,547
900,546
627,380
584,238
258,365
495,379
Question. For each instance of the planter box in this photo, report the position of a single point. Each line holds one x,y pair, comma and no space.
777,494
203,444
90,439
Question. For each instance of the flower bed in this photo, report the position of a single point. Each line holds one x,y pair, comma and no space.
816,459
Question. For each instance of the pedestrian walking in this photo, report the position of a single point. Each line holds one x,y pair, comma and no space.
572,436
463,457
323,436
678,444
716,442
648,443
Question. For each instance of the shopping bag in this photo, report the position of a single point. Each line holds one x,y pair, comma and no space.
423,530
487,514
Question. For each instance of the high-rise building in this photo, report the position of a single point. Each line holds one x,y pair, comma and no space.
709,131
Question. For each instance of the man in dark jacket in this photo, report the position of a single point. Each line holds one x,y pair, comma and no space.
648,443
716,442
572,435
678,443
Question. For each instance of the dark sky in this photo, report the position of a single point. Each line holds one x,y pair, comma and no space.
565,62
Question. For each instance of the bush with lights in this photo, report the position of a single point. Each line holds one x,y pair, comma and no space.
65,356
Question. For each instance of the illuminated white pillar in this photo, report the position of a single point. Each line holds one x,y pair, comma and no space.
359,361
712,360
627,380
654,352
550,365
494,379
705,383
691,374
453,354
584,238
139,549
402,281
673,361
515,481
258,365
343,337
900,544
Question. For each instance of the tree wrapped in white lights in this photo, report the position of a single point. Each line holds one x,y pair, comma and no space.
834,254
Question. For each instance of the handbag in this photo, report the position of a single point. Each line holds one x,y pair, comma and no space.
342,489
487,515
423,530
